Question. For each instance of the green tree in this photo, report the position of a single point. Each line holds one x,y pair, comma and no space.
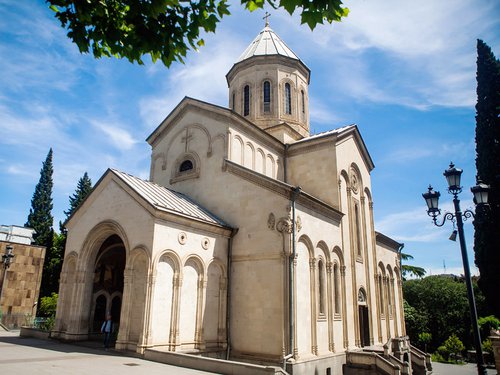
83,189
443,301
164,29
487,222
454,346
424,338
41,220
408,270
40,217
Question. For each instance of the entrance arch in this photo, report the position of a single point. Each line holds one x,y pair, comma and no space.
107,283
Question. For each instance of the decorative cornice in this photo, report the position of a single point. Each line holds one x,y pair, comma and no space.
283,189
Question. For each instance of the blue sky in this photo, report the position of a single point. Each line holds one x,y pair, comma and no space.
403,71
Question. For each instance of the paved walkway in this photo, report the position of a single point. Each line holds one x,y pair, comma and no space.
19,355
448,369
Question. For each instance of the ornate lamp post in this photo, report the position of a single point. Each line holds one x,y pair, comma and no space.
6,260
480,192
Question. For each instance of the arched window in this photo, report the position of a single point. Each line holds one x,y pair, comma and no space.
246,100
389,297
381,293
358,230
336,288
288,99
303,97
321,287
186,165
267,96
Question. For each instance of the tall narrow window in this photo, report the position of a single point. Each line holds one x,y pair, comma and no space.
267,97
246,100
381,293
358,229
233,105
303,97
321,280
288,99
336,288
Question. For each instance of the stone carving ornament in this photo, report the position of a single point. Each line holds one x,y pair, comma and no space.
271,221
354,182
182,238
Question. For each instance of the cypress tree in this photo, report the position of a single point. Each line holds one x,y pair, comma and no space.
40,216
41,220
83,189
487,222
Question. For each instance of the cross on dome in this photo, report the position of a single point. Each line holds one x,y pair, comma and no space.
266,17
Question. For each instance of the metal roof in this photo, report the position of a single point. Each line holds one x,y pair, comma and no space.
168,200
325,134
267,43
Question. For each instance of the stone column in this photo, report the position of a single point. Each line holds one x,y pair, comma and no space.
122,339
176,306
145,337
367,268
314,315
344,309
329,305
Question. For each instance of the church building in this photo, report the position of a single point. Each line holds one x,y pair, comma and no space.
252,240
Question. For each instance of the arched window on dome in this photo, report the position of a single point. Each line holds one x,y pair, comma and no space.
186,165
267,96
246,100
303,104
288,99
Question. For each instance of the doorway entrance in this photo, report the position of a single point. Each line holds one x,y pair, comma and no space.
364,323
107,290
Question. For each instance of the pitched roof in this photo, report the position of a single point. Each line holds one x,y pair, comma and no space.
267,43
168,200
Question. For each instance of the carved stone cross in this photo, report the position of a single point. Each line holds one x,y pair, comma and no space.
186,139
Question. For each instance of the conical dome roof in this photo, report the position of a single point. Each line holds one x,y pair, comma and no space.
267,43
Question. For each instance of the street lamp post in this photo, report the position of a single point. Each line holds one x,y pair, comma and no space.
480,192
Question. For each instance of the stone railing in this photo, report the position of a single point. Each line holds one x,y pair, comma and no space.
372,360
421,361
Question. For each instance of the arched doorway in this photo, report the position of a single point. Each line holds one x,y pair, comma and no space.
107,289
364,325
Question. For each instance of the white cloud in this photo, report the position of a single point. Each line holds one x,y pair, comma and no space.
121,138
202,77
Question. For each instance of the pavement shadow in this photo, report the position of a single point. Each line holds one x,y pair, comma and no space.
86,347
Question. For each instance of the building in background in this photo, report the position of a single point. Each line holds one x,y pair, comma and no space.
20,281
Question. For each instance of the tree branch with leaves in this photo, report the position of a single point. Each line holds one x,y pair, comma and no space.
164,29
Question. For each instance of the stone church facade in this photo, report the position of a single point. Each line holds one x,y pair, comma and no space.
252,240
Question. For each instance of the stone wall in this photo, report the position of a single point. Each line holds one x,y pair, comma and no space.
21,285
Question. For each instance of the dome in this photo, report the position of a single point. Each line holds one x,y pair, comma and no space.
265,44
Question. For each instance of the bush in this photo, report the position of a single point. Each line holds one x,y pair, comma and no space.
423,339
48,305
443,352
487,323
487,346
455,347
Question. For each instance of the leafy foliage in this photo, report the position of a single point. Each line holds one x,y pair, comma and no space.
487,223
408,270
48,305
487,323
454,347
439,305
424,338
164,29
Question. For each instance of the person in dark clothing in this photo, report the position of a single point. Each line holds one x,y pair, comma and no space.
107,329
